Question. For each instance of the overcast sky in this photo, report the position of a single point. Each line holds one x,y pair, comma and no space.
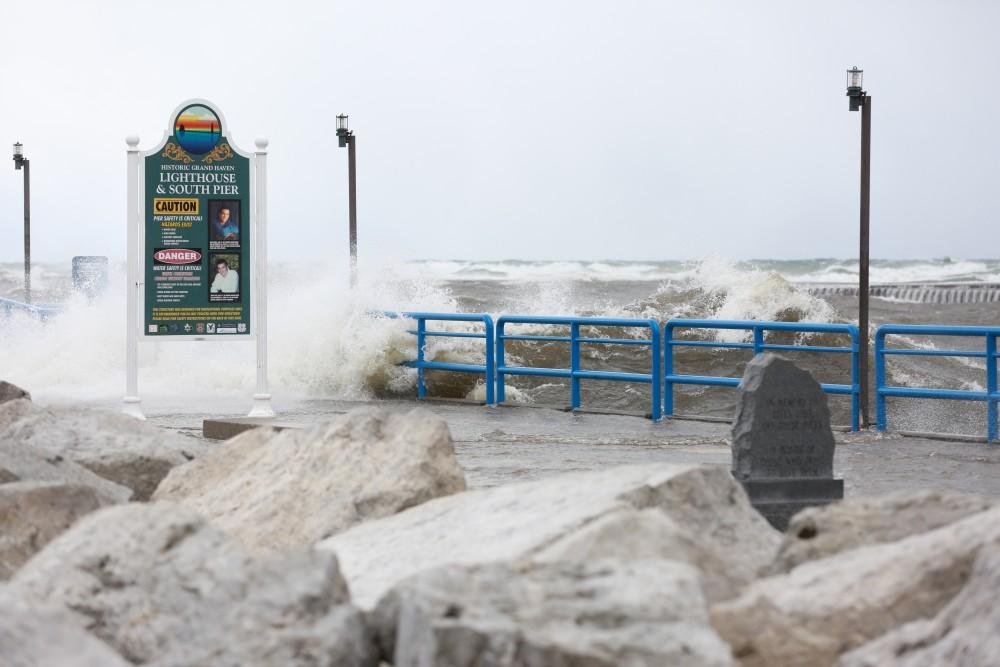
524,130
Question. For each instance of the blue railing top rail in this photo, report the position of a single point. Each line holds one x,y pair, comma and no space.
439,317
581,321
801,327
587,321
937,330
42,311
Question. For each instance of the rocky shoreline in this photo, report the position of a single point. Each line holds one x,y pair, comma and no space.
355,542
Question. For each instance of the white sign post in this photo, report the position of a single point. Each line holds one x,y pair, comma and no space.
132,400
261,399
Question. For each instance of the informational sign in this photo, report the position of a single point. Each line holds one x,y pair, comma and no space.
197,230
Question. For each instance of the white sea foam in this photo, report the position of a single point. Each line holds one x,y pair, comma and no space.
914,271
813,271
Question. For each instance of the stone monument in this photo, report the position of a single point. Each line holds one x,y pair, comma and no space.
782,442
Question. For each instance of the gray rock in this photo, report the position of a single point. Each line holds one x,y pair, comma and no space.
294,488
824,608
606,613
824,531
11,392
33,513
39,635
164,588
964,634
20,463
545,518
124,450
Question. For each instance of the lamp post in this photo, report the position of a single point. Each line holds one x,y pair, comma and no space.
859,99
346,138
19,162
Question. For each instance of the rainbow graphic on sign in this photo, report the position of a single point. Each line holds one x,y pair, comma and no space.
197,129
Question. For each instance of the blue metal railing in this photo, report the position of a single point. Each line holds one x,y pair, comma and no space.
758,345
991,396
8,306
421,364
574,373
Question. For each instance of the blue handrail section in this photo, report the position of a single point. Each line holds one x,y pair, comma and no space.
422,333
8,306
758,345
574,373
991,396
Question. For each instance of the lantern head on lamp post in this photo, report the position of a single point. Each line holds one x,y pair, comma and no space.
18,156
854,89
342,132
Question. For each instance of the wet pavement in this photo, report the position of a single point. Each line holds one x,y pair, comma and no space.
498,445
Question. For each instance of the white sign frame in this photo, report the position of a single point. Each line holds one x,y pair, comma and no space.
135,236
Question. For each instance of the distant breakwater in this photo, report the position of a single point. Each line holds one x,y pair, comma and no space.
915,292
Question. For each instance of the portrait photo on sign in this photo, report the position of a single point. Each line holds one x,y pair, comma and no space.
224,269
224,223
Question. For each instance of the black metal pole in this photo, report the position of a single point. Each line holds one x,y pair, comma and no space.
27,232
353,205
866,148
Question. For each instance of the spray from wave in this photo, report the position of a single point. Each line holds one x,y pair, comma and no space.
324,341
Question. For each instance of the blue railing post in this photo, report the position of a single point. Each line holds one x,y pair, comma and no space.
657,368
574,364
880,421
668,369
992,400
421,331
758,340
491,368
501,394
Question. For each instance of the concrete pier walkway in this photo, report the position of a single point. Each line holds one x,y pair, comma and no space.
498,445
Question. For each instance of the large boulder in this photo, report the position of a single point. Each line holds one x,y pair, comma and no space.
294,488
823,531
33,513
124,450
11,392
33,634
554,518
964,634
826,607
607,613
19,463
163,587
